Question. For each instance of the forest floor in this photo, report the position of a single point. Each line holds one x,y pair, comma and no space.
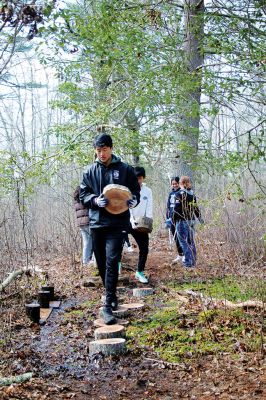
219,356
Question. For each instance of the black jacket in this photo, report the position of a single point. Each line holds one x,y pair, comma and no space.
95,179
186,207
171,203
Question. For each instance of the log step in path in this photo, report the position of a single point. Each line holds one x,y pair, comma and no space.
41,311
109,339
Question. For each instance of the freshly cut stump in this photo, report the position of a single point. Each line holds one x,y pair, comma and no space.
103,297
109,331
118,196
121,312
100,322
140,292
133,306
107,346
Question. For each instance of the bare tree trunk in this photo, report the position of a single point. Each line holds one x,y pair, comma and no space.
193,54
133,125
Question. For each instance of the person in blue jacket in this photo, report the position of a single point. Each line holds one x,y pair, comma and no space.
169,216
108,230
186,211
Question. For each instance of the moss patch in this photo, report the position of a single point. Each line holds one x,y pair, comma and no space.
230,287
175,337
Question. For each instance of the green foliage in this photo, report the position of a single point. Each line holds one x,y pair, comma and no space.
174,337
122,58
229,288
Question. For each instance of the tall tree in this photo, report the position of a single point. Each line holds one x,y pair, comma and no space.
193,59
157,52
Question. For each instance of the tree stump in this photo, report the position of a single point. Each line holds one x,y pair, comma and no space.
44,298
49,289
33,311
109,332
100,322
133,306
141,292
108,346
121,312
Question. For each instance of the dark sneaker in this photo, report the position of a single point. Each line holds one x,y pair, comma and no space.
108,317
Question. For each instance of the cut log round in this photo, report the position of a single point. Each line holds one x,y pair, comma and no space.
118,195
133,306
100,322
44,298
121,312
33,311
49,289
103,297
108,346
140,292
109,331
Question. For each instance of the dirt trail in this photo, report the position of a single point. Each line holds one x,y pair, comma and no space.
57,353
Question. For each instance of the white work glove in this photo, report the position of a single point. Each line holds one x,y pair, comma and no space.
132,202
133,223
101,201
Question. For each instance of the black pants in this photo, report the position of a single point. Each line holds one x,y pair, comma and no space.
142,240
107,247
127,240
178,246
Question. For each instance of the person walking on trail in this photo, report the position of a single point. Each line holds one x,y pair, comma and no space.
186,211
82,219
127,244
108,230
144,208
169,216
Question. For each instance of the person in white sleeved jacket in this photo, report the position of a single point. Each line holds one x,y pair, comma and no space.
144,208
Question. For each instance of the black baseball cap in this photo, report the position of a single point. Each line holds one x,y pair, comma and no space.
103,140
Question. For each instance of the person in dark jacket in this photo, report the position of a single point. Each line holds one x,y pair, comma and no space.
169,216
82,219
108,230
186,211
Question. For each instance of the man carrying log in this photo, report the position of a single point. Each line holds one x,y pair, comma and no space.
108,229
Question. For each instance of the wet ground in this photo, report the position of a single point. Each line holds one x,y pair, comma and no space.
57,353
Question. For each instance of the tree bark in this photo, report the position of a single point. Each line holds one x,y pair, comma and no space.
140,292
193,58
108,346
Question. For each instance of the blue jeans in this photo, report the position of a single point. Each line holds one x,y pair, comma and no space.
185,233
86,244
